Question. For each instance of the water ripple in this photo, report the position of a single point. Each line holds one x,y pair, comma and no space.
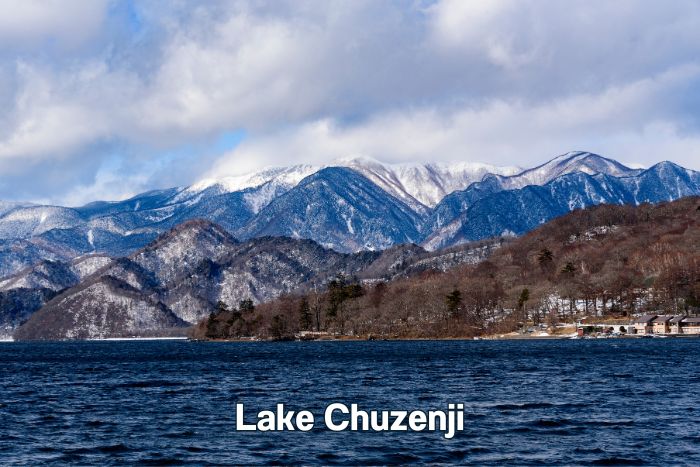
526,403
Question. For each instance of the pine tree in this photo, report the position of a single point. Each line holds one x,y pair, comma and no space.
212,326
246,306
339,290
569,269
454,301
304,315
524,297
545,257
221,307
336,295
278,327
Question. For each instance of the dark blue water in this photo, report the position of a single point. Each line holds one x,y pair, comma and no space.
528,402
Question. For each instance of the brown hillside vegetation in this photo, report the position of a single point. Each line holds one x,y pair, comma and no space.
605,260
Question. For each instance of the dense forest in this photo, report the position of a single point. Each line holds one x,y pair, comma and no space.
601,261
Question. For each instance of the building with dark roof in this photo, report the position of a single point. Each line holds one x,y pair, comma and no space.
644,324
661,324
690,326
676,324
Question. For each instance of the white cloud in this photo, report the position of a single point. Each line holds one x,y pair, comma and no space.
246,71
56,115
507,81
31,22
486,28
629,123
108,184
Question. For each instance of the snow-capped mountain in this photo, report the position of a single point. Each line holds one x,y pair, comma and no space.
271,183
25,292
350,205
457,202
348,213
288,176
297,225
30,221
422,186
575,161
514,212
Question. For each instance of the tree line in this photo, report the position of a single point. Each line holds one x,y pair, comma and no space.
601,261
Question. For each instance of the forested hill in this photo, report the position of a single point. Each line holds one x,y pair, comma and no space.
178,279
604,260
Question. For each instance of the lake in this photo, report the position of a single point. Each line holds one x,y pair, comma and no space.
611,401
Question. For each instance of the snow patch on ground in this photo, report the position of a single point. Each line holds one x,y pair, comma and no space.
593,233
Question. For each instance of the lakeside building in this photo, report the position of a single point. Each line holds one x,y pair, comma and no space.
676,324
666,324
616,328
690,326
645,325
660,324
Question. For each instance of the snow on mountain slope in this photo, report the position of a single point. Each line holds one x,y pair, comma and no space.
17,254
179,278
52,275
340,209
116,227
7,206
520,210
83,266
24,222
25,292
423,184
184,247
284,176
575,161
418,185
428,197
664,181
98,309
258,188
457,202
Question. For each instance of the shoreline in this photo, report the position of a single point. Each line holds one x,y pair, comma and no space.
501,337
476,338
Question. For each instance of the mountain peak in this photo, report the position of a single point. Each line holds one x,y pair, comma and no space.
423,185
339,208
421,197
420,185
586,162
667,165
573,161
574,155
194,231
290,175
361,160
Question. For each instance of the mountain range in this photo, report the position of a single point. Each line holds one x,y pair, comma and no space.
180,278
349,206
600,263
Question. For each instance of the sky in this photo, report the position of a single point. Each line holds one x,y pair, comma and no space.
104,99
